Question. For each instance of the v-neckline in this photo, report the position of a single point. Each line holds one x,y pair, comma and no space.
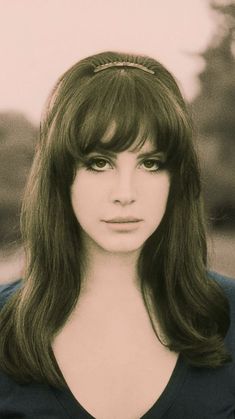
75,409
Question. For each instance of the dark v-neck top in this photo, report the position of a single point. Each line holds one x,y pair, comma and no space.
191,392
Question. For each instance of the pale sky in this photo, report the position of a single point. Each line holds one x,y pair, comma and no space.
40,39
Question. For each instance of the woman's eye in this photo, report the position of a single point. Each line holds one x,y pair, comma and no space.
99,162
152,163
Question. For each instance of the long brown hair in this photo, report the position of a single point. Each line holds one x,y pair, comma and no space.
192,311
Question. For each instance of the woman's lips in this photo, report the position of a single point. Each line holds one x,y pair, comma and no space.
123,220
124,225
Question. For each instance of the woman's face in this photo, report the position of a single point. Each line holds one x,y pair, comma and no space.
124,184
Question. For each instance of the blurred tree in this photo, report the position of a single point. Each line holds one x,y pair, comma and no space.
214,115
17,145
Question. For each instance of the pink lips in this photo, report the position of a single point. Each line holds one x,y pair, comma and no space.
123,220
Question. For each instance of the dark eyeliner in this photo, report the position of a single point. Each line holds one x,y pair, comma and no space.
159,163
91,161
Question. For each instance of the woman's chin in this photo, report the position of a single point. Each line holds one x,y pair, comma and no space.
121,247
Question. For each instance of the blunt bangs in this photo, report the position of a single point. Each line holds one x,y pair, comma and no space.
141,106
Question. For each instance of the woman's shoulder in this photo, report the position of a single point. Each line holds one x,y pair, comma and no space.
6,290
227,283
228,286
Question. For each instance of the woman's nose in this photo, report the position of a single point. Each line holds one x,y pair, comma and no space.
124,190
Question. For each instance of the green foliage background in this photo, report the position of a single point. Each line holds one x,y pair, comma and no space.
214,117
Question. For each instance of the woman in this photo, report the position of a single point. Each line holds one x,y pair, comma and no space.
117,315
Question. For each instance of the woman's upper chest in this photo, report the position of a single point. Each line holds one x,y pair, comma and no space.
114,365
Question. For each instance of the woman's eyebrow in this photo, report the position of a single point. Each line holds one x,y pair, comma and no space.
141,155
151,153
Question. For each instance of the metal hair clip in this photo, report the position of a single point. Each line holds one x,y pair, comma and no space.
122,64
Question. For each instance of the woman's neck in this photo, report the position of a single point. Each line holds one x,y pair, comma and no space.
110,293
108,274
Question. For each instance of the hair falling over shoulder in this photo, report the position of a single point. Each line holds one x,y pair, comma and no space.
191,309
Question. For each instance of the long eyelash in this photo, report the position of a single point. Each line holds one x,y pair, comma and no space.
90,162
160,164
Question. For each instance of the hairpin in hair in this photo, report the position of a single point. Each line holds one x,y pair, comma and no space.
122,64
